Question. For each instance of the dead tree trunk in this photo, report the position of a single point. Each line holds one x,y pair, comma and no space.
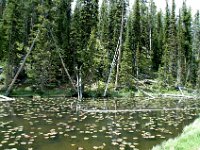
62,61
120,47
79,83
111,68
22,65
63,64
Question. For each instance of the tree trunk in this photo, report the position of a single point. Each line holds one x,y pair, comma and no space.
120,47
62,61
22,65
178,79
79,83
66,71
111,67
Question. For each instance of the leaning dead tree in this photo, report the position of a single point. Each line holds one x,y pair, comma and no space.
22,65
62,61
116,58
25,58
111,68
120,49
78,89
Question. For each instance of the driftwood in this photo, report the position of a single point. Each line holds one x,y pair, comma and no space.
136,110
149,81
141,90
142,84
146,93
5,98
178,96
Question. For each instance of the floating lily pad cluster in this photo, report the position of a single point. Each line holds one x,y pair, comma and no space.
59,123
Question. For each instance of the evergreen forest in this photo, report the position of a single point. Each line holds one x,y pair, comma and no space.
128,44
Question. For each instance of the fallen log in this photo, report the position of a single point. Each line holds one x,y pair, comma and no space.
147,94
178,96
149,82
5,98
136,110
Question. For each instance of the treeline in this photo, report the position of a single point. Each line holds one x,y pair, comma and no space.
155,44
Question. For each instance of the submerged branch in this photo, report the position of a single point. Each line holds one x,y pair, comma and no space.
136,110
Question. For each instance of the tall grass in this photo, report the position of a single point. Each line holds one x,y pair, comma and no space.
188,140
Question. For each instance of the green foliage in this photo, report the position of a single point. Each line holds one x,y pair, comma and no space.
12,36
84,21
91,61
62,27
43,65
103,53
157,43
173,42
196,47
181,70
127,54
103,25
115,17
165,71
132,42
154,44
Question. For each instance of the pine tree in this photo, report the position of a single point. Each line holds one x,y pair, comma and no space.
144,53
115,16
157,43
127,56
180,57
2,7
165,70
136,37
63,29
196,47
83,30
42,62
103,24
91,59
173,42
12,36
132,45
1,40
103,40
75,35
152,24
148,24
187,42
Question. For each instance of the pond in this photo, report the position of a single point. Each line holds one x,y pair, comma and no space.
110,124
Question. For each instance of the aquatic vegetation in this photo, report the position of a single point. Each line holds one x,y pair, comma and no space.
48,123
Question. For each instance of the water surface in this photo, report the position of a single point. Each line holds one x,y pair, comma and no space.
62,124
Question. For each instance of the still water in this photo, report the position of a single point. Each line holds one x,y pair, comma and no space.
63,124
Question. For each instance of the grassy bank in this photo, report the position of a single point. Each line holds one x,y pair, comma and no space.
188,140
96,90
89,92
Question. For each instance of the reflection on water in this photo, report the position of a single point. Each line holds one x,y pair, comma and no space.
49,124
